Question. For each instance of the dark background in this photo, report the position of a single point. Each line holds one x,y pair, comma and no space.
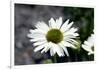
27,15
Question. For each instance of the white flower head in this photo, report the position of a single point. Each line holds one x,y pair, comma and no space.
55,36
89,45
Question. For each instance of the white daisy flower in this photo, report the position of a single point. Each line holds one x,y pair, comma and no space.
89,45
55,36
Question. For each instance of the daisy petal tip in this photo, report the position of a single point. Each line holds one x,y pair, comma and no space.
52,19
71,23
41,52
31,40
89,53
30,30
68,20
51,54
28,35
68,55
60,18
35,50
77,34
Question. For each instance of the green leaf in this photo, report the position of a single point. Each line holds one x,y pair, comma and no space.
47,61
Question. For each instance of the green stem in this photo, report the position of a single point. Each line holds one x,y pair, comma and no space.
68,59
55,58
91,57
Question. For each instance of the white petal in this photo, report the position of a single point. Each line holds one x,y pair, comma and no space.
68,37
64,29
42,26
67,44
52,49
36,35
61,49
64,26
87,48
65,50
47,47
71,32
57,49
89,44
69,25
73,41
39,43
37,39
52,52
90,53
59,22
52,23
36,31
38,48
